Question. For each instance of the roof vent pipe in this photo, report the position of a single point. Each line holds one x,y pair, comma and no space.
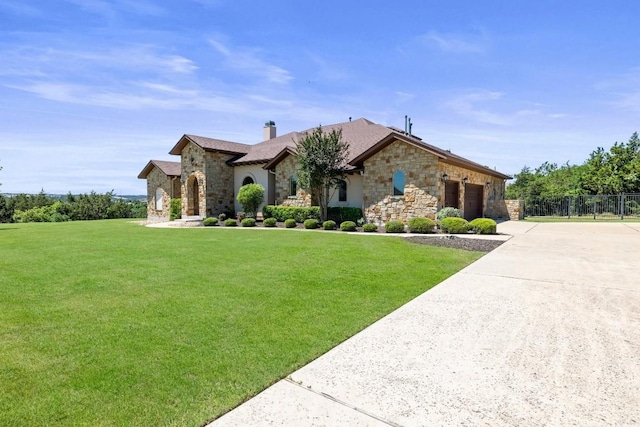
269,131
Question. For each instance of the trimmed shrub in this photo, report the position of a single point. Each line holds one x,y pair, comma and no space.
175,209
348,226
394,227
231,222
369,228
208,222
454,225
329,225
311,224
250,197
248,222
483,226
290,223
283,213
269,222
421,225
344,213
448,212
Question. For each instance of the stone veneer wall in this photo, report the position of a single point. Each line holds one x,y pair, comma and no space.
515,209
493,193
421,184
155,179
220,194
284,171
215,181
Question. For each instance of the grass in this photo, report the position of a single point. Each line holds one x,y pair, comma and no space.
107,323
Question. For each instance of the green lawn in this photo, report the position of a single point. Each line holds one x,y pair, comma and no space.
108,323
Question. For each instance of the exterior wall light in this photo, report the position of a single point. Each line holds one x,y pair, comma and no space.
464,180
444,177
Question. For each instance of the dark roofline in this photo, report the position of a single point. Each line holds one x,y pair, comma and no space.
185,139
155,163
279,157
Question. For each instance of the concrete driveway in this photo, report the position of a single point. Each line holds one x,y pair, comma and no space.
545,330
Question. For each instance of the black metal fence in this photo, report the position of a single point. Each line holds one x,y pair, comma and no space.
619,206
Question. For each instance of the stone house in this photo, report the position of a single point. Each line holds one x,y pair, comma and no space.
391,175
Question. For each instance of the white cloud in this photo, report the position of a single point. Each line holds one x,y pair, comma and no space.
456,43
466,105
249,61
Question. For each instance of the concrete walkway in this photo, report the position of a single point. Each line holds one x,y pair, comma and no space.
545,330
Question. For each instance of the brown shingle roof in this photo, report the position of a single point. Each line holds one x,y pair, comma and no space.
365,138
168,168
210,144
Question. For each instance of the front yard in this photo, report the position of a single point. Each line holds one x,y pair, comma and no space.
110,323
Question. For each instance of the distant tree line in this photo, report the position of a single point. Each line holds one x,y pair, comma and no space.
605,172
44,208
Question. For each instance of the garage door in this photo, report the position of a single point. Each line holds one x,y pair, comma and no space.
473,201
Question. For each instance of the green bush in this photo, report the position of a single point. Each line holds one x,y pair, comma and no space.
250,197
283,213
311,224
454,225
290,223
231,222
369,228
175,209
207,222
483,226
248,222
421,225
343,213
329,225
348,226
394,227
448,212
269,222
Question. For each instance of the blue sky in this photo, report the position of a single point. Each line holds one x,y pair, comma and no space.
90,90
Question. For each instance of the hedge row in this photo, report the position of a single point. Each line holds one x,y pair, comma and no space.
339,214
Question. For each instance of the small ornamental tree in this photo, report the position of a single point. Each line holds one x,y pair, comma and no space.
250,197
321,162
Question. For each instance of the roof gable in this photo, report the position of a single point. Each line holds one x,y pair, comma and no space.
210,144
168,168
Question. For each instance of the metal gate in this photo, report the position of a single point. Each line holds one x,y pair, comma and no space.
617,206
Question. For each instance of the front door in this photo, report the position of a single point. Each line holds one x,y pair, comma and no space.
195,197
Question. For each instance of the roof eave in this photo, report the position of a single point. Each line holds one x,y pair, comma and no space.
278,158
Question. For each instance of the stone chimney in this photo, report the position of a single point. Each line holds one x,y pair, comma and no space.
269,131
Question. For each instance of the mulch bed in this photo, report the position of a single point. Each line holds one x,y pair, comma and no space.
448,241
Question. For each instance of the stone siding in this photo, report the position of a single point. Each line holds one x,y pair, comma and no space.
421,184
215,181
515,209
157,179
284,171
493,194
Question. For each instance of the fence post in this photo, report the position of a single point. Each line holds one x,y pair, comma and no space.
594,208
569,208
621,196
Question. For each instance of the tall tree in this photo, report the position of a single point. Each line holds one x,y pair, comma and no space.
321,161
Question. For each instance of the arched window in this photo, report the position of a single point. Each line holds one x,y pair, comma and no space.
159,198
342,191
398,183
247,180
293,187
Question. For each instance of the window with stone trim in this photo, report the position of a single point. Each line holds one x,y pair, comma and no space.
398,183
342,191
159,194
293,186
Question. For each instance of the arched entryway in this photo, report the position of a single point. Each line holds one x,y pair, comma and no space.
193,196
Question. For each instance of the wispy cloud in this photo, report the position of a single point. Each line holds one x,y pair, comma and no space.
622,90
111,8
456,43
20,8
472,106
249,61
